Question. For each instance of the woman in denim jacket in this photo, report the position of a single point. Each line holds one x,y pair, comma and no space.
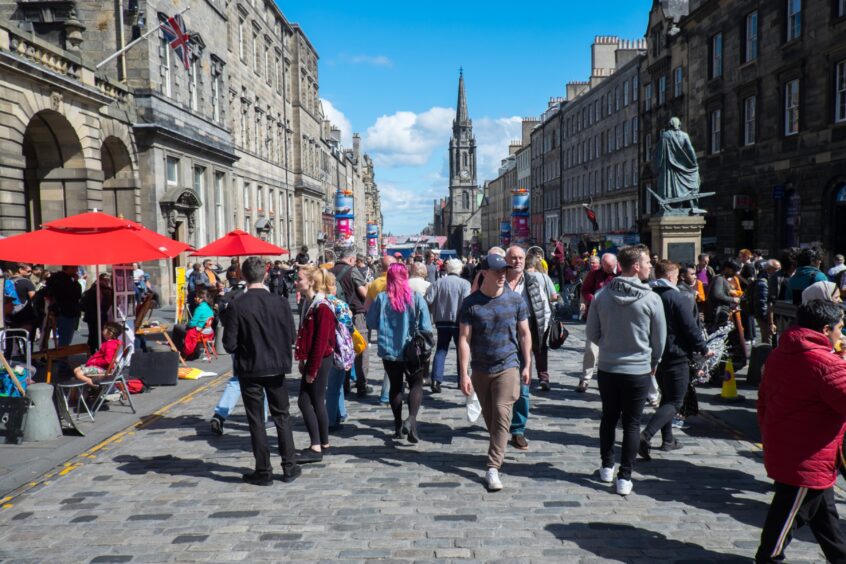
393,315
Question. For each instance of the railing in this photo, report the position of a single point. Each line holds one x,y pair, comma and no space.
111,89
43,54
59,61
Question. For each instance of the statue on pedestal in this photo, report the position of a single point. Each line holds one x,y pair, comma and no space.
678,173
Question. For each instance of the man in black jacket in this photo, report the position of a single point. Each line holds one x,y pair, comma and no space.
259,330
683,339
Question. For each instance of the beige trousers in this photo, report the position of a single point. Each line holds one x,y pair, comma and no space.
497,393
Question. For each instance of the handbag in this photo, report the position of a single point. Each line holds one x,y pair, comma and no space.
359,342
558,333
418,349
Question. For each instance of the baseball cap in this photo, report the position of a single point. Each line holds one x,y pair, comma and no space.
398,255
494,262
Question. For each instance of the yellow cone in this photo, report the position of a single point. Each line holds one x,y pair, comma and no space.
729,391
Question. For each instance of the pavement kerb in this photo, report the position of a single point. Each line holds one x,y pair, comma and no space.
76,461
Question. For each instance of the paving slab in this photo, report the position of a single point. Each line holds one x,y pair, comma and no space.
170,490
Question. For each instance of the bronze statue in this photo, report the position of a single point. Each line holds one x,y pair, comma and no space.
678,172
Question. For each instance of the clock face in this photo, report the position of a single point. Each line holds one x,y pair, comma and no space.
465,175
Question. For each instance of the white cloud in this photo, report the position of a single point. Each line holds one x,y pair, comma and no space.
493,136
407,138
372,60
339,120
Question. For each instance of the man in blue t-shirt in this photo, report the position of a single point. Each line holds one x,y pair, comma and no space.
491,321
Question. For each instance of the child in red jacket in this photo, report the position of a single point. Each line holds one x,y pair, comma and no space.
96,366
802,414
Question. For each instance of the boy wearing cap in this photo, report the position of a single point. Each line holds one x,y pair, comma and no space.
491,321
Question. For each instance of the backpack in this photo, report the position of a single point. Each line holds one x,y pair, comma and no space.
418,348
344,354
11,293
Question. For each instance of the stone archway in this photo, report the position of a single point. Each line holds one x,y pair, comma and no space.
179,206
55,176
119,181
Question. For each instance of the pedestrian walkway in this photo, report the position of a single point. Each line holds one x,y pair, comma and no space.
170,490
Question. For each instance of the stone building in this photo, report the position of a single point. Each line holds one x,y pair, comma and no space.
259,115
496,208
664,93
66,141
767,115
234,140
463,220
546,166
599,149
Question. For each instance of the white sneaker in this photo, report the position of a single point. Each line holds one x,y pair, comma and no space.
492,478
112,397
624,487
606,475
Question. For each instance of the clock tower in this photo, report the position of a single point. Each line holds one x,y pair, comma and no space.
463,220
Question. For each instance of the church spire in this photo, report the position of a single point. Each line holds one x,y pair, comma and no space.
461,115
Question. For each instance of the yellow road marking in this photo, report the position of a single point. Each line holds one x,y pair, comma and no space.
78,460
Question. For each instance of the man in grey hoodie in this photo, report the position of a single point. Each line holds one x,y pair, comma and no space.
627,321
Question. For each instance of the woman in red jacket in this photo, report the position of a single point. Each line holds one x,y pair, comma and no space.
802,415
315,348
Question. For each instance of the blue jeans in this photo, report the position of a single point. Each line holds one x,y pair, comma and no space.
65,327
229,399
520,412
446,333
520,415
336,409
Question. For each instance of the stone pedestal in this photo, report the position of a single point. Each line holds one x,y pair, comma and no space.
677,237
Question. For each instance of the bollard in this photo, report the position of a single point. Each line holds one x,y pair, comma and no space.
42,422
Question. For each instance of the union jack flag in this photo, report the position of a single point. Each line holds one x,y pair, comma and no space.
177,35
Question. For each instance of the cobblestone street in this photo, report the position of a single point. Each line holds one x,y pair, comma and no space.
171,490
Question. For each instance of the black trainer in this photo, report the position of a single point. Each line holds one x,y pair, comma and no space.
307,456
257,479
216,424
436,387
675,445
292,474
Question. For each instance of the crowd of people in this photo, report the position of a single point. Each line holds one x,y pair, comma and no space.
648,327
648,323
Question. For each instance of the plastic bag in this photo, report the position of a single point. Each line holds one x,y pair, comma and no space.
474,408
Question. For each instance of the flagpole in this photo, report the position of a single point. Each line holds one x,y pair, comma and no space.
135,42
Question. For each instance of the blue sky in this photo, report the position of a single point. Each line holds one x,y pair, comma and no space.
389,70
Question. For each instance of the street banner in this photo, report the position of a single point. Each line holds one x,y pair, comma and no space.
343,205
519,203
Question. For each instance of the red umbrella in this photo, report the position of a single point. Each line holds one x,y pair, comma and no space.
238,243
99,239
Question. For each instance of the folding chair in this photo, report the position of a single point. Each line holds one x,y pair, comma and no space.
206,338
115,381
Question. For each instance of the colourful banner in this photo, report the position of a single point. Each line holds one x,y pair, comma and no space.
372,230
181,288
519,203
343,205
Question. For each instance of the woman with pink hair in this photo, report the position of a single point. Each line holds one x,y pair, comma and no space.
396,314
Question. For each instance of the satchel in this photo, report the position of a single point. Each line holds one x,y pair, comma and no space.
418,349
558,333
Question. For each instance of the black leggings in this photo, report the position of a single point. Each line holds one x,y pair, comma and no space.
673,382
396,372
312,402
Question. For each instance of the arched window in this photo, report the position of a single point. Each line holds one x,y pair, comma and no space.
465,197
465,159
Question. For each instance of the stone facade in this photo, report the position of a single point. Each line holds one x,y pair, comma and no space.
237,140
546,166
66,143
463,221
599,154
770,128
